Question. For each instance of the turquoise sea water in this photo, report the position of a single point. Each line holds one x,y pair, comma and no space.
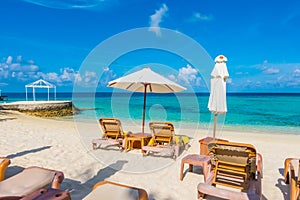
256,112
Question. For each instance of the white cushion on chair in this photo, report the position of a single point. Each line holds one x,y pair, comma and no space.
25,182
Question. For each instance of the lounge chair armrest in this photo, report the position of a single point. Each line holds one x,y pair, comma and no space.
58,179
204,189
286,169
260,165
209,178
3,165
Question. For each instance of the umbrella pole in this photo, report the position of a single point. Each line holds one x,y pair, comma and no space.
144,109
215,126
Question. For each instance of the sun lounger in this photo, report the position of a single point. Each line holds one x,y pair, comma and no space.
291,177
112,133
4,162
106,190
235,172
163,140
28,181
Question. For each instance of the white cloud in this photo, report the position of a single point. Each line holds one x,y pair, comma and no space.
242,73
201,17
156,19
106,69
172,77
67,4
229,81
189,74
9,60
68,74
296,73
26,71
86,79
51,76
3,84
107,76
19,58
271,71
268,77
19,70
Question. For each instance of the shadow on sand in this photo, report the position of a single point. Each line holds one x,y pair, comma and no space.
77,189
22,153
282,186
80,190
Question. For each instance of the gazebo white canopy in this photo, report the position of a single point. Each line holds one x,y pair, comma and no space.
40,84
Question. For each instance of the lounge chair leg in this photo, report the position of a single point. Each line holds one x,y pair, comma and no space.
186,146
145,153
201,196
94,146
174,157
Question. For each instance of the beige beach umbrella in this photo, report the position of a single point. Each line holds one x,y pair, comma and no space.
145,81
217,98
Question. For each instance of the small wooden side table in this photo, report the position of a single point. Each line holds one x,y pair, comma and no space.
142,139
195,160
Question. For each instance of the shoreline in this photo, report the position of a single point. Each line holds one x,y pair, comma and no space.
206,126
258,129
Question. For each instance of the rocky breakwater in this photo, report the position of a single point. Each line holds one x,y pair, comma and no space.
42,108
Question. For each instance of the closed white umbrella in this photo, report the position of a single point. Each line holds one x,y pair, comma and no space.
145,81
217,99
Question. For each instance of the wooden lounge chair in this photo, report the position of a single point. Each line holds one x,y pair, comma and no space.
106,190
291,178
28,181
163,140
4,162
112,133
162,132
235,172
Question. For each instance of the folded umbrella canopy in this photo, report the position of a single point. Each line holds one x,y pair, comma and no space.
146,81
217,98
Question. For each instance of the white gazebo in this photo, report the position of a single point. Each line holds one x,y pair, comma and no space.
40,84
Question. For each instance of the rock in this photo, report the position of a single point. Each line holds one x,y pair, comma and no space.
43,108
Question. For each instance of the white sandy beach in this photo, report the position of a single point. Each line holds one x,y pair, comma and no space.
58,144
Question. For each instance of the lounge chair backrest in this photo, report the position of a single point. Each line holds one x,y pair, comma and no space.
232,152
164,128
111,127
162,131
233,161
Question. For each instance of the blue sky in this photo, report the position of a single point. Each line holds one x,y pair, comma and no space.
50,39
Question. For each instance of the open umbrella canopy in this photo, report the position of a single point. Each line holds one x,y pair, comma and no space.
145,81
155,83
